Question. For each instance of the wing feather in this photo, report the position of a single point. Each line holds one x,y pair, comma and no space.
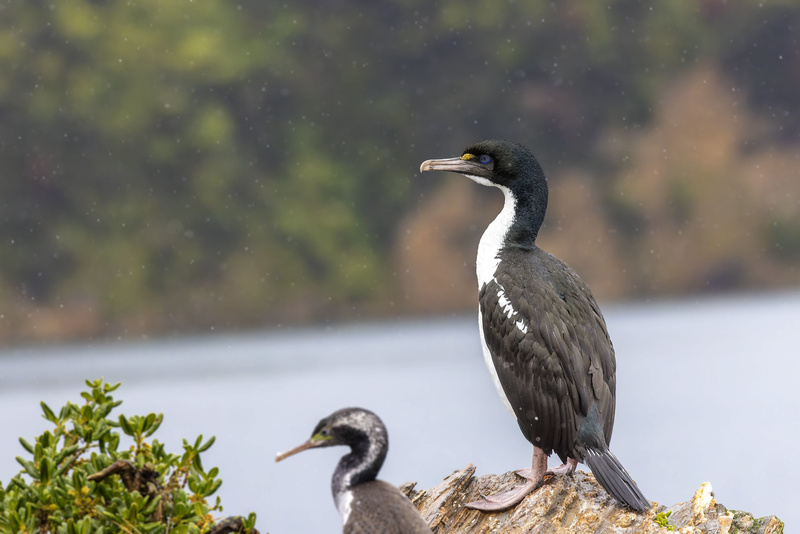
550,346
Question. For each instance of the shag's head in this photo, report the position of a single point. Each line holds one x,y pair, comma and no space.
356,427
497,163
513,169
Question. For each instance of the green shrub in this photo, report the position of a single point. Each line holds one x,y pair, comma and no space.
75,480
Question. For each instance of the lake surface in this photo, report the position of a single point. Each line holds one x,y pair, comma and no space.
706,391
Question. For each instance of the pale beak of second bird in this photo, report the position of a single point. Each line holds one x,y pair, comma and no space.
300,448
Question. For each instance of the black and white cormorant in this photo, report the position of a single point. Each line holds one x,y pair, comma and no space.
544,339
366,505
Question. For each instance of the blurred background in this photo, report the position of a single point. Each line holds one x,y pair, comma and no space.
175,167
171,169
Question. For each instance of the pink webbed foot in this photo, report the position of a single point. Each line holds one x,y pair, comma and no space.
505,500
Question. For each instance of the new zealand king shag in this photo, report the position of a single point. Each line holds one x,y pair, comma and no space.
366,505
544,339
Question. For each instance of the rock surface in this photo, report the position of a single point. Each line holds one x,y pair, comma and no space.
575,505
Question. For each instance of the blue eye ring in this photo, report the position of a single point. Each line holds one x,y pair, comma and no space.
485,159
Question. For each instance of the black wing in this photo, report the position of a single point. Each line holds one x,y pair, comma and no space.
550,347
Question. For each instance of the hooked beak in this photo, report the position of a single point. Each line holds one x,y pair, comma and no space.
459,165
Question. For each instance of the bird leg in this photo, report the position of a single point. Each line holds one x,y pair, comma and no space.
564,469
507,499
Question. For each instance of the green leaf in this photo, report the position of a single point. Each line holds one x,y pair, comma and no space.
25,445
125,425
661,519
48,413
61,469
29,468
180,510
45,469
207,444
197,463
65,452
137,423
111,516
154,424
214,487
148,421
151,506
133,509
113,442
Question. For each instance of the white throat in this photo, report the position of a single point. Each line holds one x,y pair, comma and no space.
494,237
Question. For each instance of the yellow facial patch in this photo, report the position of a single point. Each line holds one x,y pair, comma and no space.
320,436
468,156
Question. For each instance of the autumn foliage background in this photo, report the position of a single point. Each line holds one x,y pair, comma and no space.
172,167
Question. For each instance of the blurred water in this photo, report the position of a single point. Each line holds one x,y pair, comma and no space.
706,392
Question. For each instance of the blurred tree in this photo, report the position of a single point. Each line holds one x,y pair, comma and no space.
195,164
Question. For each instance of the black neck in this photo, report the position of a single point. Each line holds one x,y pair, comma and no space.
361,464
531,204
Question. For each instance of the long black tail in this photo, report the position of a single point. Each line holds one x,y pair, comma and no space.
613,477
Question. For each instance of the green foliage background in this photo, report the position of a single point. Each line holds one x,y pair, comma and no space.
182,165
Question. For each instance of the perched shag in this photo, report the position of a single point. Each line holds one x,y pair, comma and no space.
366,505
544,339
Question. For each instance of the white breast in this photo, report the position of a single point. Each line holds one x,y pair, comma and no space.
344,503
486,266
487,358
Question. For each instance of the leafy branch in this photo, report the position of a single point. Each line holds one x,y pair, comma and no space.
76,479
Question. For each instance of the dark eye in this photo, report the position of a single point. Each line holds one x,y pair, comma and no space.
324,432
485,159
